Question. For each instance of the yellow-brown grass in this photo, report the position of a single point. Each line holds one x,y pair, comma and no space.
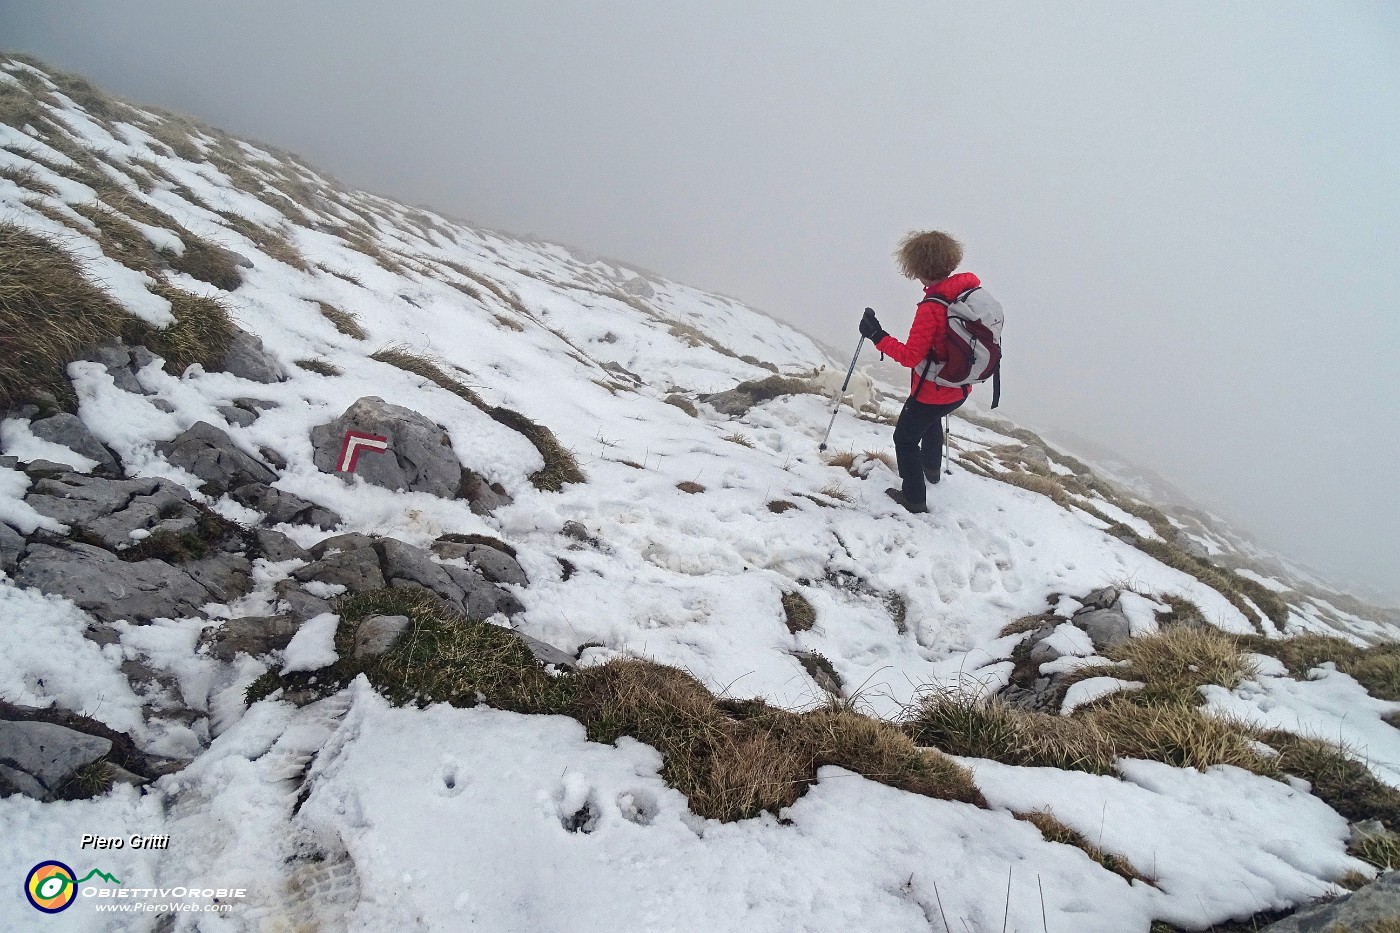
1054,830
344,321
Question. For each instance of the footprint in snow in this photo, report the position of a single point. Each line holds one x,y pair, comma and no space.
450,782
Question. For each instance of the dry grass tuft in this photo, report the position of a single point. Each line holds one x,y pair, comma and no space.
836,491
420,364
845,460
741,439
1055,831
50,313
1029,624
201,333
1376,668
343,321
319,366
690,487
798,612
1176,662
779,506
28,179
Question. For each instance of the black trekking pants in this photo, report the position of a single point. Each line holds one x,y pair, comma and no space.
918,445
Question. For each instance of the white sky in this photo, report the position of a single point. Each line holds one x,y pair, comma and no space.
1191,211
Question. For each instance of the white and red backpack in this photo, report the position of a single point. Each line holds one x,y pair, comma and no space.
972,351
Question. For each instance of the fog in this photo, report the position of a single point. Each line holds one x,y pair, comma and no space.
1191,211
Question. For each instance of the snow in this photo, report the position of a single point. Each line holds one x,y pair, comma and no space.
313,646
1219,843
1265,581
1094,688
1329,705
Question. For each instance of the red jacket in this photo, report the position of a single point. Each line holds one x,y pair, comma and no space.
929,331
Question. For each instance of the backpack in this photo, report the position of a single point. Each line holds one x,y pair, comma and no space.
972,351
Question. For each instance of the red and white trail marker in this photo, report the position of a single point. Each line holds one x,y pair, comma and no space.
356,442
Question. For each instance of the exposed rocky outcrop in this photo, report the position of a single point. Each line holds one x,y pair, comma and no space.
738,400
1374,907
118,513
249,359
37,758
122,364
107,586
281,506
419,459
210,454
69,431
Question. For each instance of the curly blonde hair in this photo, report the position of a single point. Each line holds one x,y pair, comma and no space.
930,254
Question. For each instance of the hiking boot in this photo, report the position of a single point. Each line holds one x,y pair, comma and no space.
897,495
933,475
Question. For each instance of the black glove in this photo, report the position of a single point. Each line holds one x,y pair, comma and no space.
870,327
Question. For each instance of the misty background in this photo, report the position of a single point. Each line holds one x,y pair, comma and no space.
1191,211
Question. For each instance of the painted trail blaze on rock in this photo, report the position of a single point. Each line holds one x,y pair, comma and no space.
354,443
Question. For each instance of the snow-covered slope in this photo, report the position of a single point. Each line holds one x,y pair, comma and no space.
693,529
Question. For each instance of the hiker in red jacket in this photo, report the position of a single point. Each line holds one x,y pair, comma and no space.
931,258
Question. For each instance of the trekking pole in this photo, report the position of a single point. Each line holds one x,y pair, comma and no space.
836,406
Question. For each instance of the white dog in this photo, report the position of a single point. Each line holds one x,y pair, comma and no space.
860,393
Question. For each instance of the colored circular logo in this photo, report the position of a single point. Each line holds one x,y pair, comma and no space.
51,887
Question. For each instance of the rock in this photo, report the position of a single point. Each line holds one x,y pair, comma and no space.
638,287
1035,455
121,365
1104,598
547,653
281,506
496,565
163,405
1106,628
276,546
109,510
210,454
256,636
684,404
1190,544
405,564
420,457
299,603
37,757
278,461
247,359
377,635
239,416
577,531
1367,909
11,546
355,568
484,497
350,541
109,587
69,431
226,576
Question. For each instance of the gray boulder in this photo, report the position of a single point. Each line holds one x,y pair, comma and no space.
122,363
210,454
252,635
480,597
355,568
281,506
638,287
239,416
546,653
377,634
276,546
1106,628
683,403
11,546
1105,598
110,510
1371,908
299,603
420,457
495,565
108,587
484,497
37,757
69,431
248,359
1035,455
226,576
405,565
